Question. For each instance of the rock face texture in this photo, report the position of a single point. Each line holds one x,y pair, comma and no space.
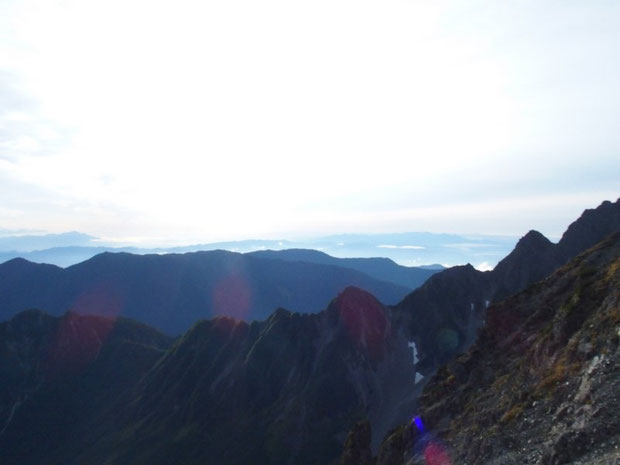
540,386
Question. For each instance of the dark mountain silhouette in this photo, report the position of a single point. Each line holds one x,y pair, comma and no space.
383,269
289,388
65,379
171,292
444,315
540,385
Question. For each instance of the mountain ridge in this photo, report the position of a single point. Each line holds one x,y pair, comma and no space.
172,291
445,313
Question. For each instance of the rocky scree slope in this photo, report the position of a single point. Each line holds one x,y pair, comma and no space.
540,386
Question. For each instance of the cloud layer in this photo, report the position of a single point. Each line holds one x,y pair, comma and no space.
212,120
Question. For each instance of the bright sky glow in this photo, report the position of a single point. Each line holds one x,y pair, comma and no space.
191,121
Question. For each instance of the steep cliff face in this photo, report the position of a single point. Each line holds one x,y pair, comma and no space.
542,383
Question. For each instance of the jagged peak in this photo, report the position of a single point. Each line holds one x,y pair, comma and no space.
592,226
364,319
354,297
533,237
228,323
528,249
280,313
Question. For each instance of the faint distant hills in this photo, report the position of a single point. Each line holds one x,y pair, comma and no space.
29,242
172,291
410,249
379,268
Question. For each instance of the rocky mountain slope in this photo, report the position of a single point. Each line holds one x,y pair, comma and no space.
444,315
171,292
285,390
540,386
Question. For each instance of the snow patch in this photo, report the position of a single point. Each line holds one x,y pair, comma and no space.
412,346
418,377
595,362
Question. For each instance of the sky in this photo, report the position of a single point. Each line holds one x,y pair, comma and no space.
150,122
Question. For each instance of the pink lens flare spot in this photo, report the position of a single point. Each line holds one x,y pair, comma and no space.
232,297
77,342
100,299
436,454
365,320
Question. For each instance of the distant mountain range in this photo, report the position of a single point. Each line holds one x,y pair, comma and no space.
383,269
80,389
171,292
410,249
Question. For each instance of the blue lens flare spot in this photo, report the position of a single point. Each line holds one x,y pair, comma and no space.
419,424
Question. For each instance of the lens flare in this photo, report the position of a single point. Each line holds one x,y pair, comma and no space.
364,319
77,342
419,424
433,451
232,297
436,454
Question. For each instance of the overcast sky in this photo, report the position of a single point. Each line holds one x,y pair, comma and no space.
181,121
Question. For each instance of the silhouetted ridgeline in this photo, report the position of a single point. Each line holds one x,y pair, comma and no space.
171,292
